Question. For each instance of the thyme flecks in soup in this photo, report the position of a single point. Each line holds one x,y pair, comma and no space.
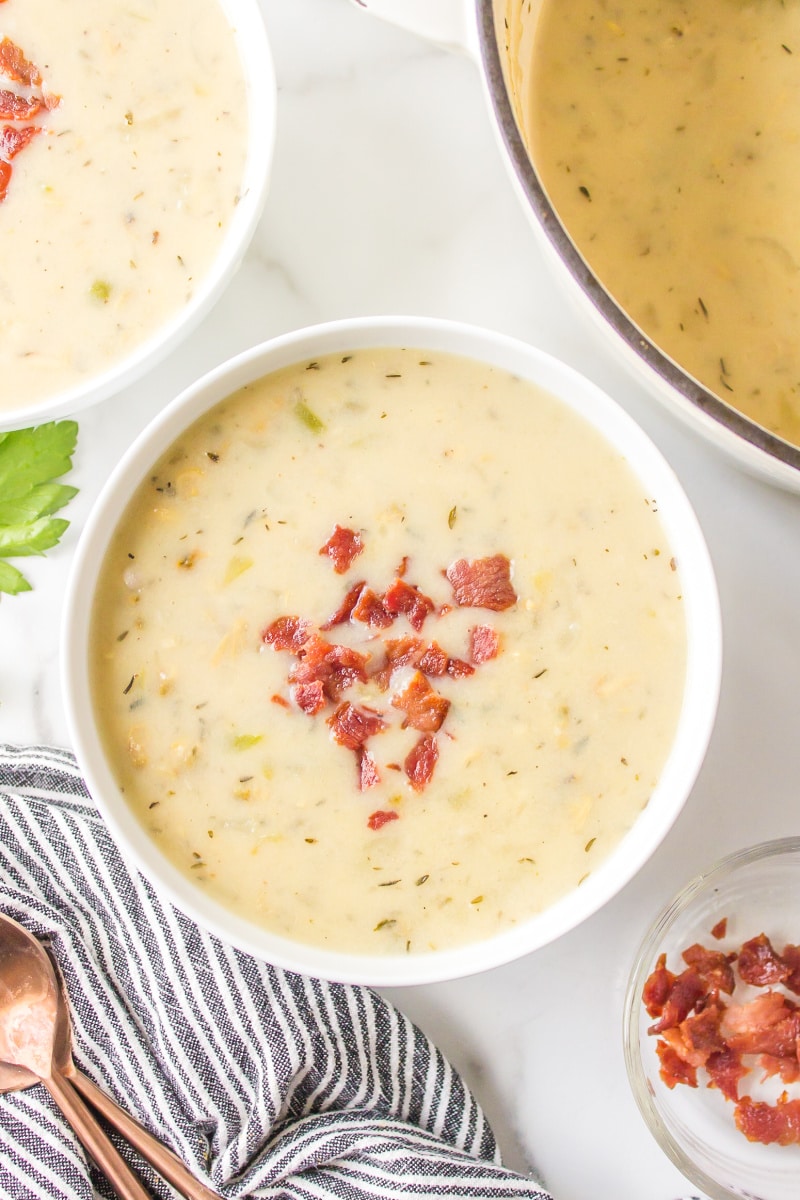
666,136
389,651
121,155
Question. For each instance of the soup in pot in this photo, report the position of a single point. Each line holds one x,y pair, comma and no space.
666,136
389,651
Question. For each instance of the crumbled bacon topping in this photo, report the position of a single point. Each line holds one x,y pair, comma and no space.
424,707
703,1023
368,774
420,761
378,819
322,671
482,583
484,643
287,633
345,609
15,68
342,548
351,726
403,598
371,610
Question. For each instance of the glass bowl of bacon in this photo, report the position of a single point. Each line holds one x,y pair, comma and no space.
712,1026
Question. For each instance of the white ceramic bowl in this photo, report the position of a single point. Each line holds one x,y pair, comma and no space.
757,890
253,46
701,612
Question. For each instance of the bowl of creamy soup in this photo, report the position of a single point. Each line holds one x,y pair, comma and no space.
653,145
135,146
392,650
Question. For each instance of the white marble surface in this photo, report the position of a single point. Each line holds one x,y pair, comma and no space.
389,195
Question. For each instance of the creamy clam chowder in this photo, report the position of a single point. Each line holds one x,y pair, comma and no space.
666,135
115,206
388,651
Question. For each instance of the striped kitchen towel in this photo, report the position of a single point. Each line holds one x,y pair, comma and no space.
266,1083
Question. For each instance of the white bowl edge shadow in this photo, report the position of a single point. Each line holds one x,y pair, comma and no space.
254,49
703,673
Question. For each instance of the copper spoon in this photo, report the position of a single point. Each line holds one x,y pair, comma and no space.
28,1008
14,1077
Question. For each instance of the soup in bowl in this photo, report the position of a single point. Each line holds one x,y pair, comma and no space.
392,650
134,158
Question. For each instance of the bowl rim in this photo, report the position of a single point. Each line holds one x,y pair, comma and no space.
704,637
754,446
643,963
252,42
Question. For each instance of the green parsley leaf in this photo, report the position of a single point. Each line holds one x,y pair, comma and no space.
12,581
31,460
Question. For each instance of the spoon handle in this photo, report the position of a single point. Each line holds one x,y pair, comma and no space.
94,1140
156,1153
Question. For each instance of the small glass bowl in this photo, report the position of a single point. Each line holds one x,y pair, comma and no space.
757,891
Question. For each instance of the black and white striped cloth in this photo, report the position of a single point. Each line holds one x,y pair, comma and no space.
266,1083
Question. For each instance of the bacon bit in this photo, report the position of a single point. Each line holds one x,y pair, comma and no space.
791,956
725,1068
367,769
403,598
673,1068
701,1033
345,609
768,1123
309,697
424,707
401,570
13,140
759,963
277,699
351,726
287,633
657,987
14,107
686,990
769,1024
16,66
378,819
434,660
370,610
697,1038
713,966
399,652
333,666
457,668
787,1069
342,547
484,643
720,929
420,762
482,583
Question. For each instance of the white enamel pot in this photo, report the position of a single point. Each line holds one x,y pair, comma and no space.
498,35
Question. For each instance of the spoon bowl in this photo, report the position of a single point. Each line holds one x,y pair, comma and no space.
29,1004
15,1077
